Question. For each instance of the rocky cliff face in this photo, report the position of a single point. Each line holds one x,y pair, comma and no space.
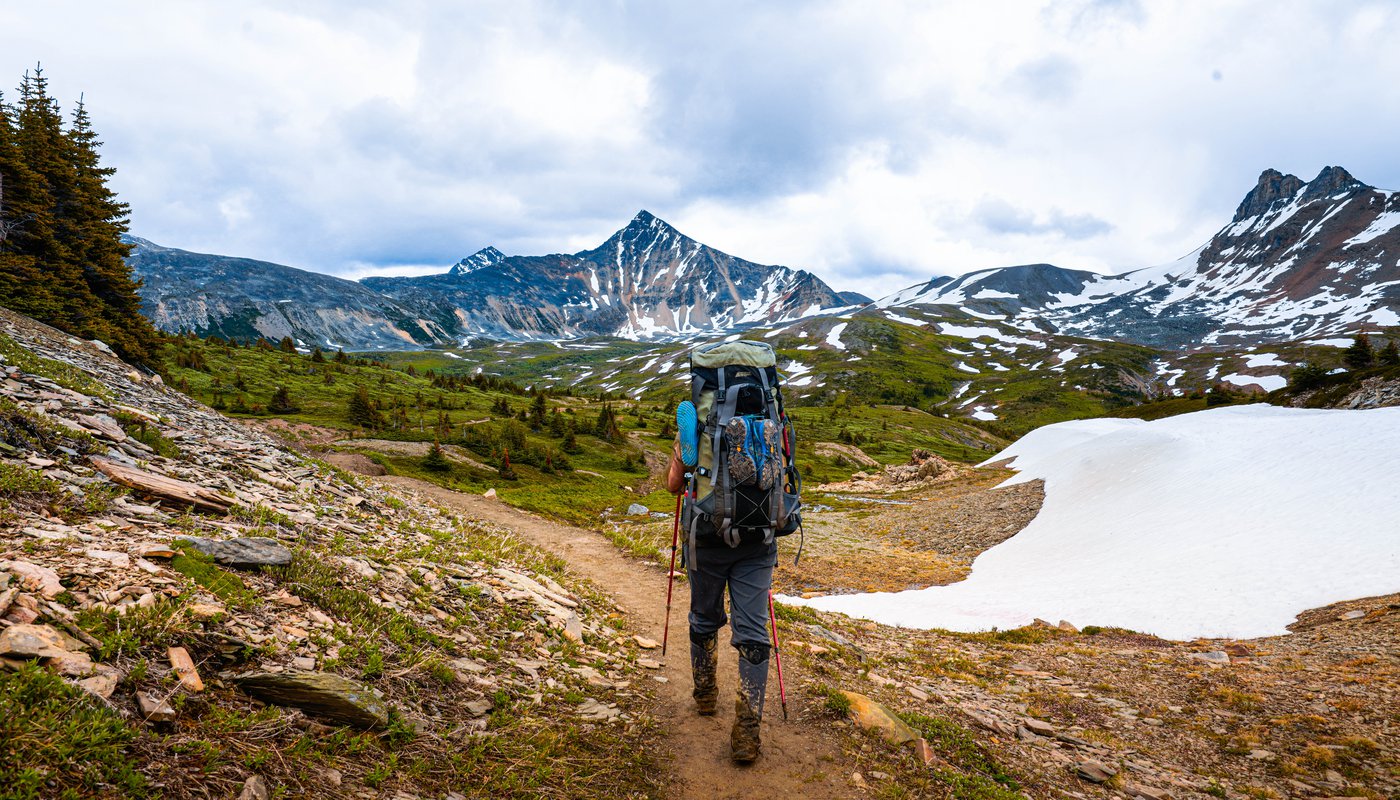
243,298
1298,260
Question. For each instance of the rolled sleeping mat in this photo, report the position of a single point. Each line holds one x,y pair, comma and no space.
689,432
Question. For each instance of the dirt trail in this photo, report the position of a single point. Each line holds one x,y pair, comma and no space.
799,760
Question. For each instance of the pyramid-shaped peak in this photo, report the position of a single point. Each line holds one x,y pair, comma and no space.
484,257
647,220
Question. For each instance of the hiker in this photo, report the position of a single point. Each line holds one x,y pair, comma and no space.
740,494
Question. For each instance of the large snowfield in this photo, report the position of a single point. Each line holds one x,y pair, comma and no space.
1222,523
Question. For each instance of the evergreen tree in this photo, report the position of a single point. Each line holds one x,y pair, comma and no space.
281,402
1361,354
361,411
318,357
287,345
62,259
1390,354
435,459
1307,375
99,220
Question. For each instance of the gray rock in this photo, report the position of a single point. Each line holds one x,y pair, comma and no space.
830,635
1094,771
1039,727
637,509
330,696
255,788
1214,657
244,552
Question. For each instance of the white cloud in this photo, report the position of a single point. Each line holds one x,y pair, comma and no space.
874,145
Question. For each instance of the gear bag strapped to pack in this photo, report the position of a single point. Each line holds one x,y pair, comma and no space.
744,487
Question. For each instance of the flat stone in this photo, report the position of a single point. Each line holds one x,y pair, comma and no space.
30,641
243,552
1217,658
479,708
1353,614
304,663
255,788
645,643
153,709
330,696
871,715
35,578
71,665
112,557
1039,727
101,684
1094,771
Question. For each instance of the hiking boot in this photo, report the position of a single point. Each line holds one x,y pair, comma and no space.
703,658
742,470
772,469
744,742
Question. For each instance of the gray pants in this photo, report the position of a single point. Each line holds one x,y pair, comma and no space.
747,571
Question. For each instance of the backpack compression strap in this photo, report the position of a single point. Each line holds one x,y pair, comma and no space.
775,494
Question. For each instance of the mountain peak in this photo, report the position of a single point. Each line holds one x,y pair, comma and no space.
647,221
1330,181
484,257
1273,187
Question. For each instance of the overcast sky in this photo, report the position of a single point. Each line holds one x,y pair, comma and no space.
874,143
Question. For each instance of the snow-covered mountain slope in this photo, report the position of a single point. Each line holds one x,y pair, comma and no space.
647,281
1217,523
1299,260
239,297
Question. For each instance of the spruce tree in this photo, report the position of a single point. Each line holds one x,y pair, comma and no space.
22,285
62,260
98,220
361,411
1390,354
1361,354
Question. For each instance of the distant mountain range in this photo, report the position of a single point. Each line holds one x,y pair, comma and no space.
1299,260
647,281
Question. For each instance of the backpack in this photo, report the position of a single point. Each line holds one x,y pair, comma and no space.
744,486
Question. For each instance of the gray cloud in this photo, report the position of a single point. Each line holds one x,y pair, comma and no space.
1000,217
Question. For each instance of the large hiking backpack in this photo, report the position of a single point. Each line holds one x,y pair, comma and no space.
744,486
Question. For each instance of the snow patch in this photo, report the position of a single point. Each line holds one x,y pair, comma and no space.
1219,523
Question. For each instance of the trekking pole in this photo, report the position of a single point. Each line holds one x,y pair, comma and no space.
671,576
777,657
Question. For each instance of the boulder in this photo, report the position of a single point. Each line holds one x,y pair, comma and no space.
243,552
871,715
323,694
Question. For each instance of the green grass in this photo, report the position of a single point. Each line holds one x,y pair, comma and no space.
224,584
979,776
63,374
60,743
147,433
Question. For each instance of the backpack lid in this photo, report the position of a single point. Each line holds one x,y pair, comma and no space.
742,352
